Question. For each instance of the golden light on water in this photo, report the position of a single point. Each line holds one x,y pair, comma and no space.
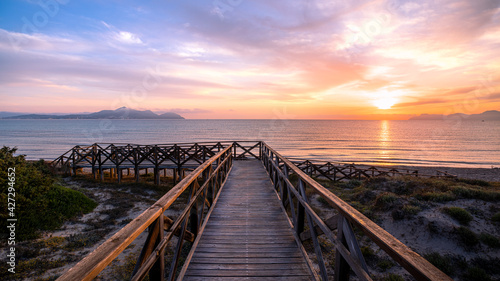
384,138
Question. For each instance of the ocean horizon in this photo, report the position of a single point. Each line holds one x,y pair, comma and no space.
458,143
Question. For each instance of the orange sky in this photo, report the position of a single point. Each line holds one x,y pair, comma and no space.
253,59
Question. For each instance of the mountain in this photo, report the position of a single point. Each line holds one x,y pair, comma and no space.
120,113
487,115
4,114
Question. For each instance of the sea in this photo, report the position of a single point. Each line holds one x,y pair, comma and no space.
450,143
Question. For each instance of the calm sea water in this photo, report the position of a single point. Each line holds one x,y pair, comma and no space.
434,143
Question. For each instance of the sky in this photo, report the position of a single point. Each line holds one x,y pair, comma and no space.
242,59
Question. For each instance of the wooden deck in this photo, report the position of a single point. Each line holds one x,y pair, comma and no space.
247,236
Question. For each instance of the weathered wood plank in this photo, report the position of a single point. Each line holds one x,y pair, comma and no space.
247,235
246,272
264,260
243,278
250,266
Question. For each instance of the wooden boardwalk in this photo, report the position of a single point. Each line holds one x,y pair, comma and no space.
247,236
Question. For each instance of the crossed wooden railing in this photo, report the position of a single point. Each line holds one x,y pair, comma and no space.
203,186
116,158
348,254
119,157
343,171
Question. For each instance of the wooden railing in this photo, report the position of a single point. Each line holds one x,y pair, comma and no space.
343,171
118,157
348,254
203,185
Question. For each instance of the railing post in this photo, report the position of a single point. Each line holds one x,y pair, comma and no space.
314,234
284,188
194,210
157,272
119,173
299,224
73,164
341,266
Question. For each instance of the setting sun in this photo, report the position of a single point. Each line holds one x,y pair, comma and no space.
384,103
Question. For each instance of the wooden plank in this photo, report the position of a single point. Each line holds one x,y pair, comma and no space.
247,235
264,260
247,272
251,266
245,278
247,251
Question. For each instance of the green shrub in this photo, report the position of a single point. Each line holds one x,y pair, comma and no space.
476,274
408,211
475,193
40,204
350,184
394,277
489,240
496,217
367,252
385,264
467,237
385,200
474,182
443,263
122,270
459,214
436,196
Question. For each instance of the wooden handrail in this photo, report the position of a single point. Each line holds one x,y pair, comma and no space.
416,265
95,262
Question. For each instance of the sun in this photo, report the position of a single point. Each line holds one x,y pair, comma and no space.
385,102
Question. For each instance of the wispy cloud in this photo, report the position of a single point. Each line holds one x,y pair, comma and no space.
321,55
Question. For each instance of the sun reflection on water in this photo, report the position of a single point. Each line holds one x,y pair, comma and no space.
384,139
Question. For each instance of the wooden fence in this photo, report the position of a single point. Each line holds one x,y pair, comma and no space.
343,171
348,254
203,185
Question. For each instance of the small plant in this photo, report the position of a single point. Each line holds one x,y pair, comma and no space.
459,214
123,270
436,196
385,264
367,252
385,201
496,217
474,182
489,240
350,184
467,237
475,193
408,211
323,201
394,277
476,274
53,242
442,262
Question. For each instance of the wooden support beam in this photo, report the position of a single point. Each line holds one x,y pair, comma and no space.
331,222
119,174
188,236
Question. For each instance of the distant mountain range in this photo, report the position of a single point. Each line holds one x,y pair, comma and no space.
487,115
120,113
